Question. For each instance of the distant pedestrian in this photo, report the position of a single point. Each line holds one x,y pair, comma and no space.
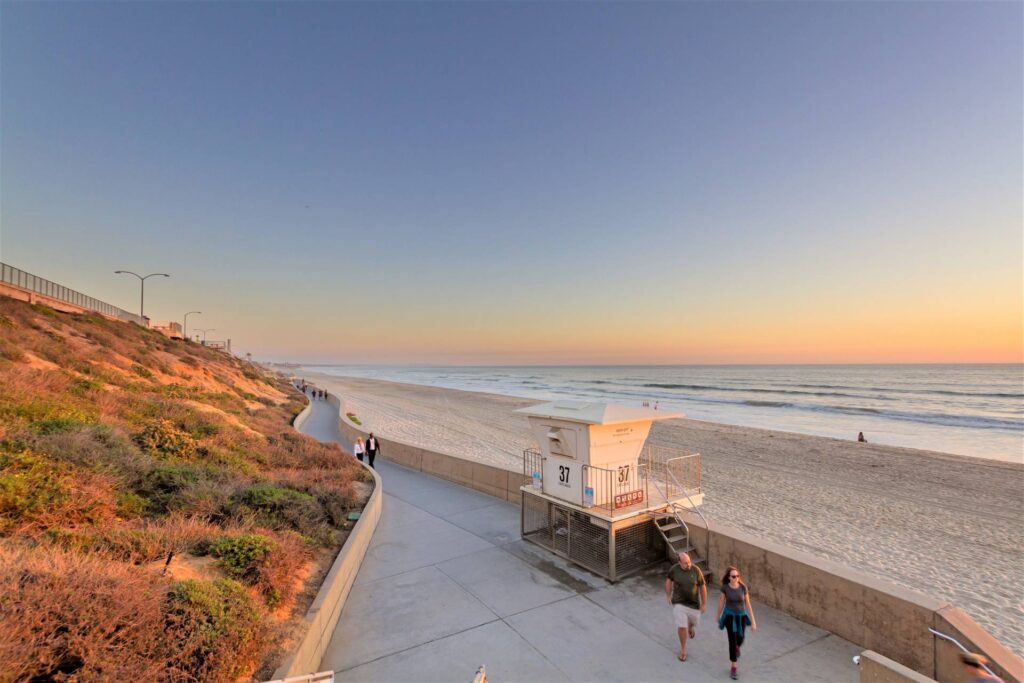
860,437
975,668
358,449
372,448
687,592
656,404
735,613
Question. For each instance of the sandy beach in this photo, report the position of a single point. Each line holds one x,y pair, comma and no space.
945,525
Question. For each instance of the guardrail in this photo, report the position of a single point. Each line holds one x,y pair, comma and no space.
39,285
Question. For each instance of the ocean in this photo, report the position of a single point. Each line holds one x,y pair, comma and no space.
973,410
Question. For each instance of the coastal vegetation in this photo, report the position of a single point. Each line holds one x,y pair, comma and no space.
159,517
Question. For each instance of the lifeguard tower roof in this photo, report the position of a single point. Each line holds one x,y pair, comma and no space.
596,413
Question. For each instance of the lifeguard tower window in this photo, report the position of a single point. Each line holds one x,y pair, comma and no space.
562,442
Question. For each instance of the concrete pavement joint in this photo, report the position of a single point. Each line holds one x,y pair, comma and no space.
531,646
798,647
426,642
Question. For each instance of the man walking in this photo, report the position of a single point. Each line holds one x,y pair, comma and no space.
687,593
372,447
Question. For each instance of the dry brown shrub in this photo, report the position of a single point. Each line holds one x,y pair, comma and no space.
82,617
140,541
333,488
292,450
282,565
39,494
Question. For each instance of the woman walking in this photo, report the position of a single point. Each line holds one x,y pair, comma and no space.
358,449
735,614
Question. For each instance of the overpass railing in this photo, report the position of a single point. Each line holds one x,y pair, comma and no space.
33,283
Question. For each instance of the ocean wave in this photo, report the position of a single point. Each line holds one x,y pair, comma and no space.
946,419
896,390
758,390
942,419
877,393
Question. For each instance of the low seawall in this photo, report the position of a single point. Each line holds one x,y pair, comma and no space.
872,613
323,614
875,614
488,479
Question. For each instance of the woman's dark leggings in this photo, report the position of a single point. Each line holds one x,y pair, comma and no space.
735,639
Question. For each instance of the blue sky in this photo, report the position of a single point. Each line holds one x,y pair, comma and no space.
527,182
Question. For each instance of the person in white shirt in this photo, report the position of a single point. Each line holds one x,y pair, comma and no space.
358,449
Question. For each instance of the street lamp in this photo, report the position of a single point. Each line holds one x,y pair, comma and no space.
142,281
184,325
208,329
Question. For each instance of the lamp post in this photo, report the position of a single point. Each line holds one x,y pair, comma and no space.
208,329
184,324
142,281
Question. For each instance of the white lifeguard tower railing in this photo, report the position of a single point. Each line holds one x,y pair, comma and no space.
599,495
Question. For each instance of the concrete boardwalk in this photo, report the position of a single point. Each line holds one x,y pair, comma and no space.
448,585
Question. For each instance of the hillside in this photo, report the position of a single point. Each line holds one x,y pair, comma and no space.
159,517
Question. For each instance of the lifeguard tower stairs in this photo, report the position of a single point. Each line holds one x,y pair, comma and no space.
600,496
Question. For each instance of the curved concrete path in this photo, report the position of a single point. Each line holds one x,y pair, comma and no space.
448,585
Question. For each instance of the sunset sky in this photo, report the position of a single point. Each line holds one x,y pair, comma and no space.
529,183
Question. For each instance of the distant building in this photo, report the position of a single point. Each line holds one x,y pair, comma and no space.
168,328
224,345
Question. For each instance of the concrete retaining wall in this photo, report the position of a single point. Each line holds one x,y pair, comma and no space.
300,419
891,620
954,622
875,614
488,479
874,668
323,614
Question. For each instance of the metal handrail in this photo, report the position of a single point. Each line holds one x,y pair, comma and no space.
33,283
962,648
675,506
696,508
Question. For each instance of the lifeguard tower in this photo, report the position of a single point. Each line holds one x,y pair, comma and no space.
601,497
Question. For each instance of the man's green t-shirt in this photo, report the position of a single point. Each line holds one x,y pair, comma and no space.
686,585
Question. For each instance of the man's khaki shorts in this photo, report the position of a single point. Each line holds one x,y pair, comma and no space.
685,616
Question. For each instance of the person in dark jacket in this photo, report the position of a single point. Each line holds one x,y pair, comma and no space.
372,449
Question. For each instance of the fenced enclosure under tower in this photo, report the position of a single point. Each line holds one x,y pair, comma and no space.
612,549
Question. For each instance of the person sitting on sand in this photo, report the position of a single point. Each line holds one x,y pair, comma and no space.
860,437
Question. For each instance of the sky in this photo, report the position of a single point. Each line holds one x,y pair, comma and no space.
492,183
